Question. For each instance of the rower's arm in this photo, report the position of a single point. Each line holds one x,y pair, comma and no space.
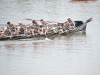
47,23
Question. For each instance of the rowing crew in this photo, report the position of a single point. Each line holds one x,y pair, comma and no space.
35,28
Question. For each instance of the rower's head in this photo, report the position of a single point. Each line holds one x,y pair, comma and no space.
8,23
34,22
19,22
41,20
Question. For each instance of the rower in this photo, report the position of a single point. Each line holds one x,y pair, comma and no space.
60,28
2,35
22,30
13,29
66,25
49,30
71,22
1,32
8,31
8,25
44,23
20,24
30,31
36,27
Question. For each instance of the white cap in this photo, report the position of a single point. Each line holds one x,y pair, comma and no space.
68,17
19,21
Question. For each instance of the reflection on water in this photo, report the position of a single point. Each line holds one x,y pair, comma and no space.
70,54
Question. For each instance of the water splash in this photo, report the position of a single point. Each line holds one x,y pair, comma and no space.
47,39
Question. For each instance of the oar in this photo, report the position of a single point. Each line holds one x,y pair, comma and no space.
29,19
3,24
39,20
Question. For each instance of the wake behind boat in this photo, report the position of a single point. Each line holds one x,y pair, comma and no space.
46,31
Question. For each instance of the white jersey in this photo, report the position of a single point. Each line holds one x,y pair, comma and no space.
4,29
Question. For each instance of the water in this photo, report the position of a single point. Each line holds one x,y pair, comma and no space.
73,54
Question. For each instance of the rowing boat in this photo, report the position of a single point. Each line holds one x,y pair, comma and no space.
79,26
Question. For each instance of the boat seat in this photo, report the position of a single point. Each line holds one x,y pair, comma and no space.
78,23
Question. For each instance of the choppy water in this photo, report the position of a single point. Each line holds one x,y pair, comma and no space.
74,54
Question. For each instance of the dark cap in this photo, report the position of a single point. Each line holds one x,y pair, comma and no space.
41,20
8,22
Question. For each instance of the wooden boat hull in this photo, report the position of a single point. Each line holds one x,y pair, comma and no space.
79,27
16,37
